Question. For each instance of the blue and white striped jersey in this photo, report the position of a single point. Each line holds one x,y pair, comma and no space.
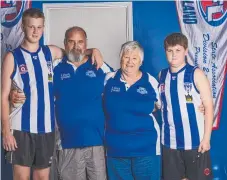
33,74
183,123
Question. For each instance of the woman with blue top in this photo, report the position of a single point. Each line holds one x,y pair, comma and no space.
132,136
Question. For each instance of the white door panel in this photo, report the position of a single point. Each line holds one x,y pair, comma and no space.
108,25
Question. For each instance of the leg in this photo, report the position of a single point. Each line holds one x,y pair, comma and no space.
53,167
119,168
41,174
71,164
44,149
173,167
146,168
54,173
95,164
23,156
198,165
21,172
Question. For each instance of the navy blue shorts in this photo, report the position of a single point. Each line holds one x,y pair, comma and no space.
180,164
34,150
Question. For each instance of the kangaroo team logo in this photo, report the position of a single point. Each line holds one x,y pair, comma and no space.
11,12
142,90
90,74
214,12
188,88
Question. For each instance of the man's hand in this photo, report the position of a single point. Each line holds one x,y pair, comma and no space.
97,58
204,146
17,97
9,142
201,108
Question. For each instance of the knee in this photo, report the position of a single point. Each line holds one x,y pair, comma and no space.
40,177
41,174
20,176
21,172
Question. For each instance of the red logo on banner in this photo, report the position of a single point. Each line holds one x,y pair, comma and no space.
214,12
13,11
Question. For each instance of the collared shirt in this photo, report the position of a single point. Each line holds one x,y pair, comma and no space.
131,128
78,92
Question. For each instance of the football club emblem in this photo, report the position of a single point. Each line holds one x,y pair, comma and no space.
90,73
213,12
49,66
23,69
188,88
15,10
142,90
162,88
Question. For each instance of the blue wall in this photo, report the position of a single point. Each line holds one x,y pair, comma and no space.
152,21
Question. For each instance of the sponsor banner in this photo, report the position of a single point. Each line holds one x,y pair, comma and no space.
11,15
205,24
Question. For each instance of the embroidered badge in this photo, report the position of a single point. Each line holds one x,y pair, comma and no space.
49,65
23,69
207,171
115,89
162,88
142,90
174,78
188,88
65,76
50,77
90,73
35,57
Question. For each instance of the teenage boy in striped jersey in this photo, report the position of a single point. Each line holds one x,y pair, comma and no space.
28,137
186,131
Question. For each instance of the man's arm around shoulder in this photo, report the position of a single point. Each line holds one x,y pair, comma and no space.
56,52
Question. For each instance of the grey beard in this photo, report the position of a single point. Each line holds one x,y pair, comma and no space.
75,58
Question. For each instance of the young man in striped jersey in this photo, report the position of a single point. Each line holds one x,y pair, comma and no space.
28,136
186,131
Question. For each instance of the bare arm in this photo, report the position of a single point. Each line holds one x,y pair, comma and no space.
203,86
56,52
96,57
9,142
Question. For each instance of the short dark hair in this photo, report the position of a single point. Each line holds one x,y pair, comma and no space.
74,28
176,39
32,12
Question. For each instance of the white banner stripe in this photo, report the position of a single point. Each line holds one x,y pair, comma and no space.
205,26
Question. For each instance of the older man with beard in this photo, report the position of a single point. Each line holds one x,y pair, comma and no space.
78,88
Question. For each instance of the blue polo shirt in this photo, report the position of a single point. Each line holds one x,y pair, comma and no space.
78,94
131,129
